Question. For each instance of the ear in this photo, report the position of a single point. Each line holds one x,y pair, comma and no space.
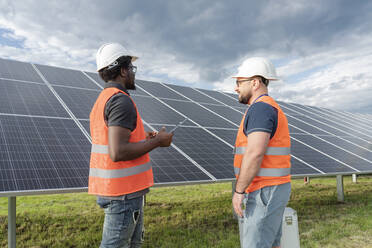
123,72
256,83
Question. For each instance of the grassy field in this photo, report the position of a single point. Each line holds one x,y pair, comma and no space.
195,216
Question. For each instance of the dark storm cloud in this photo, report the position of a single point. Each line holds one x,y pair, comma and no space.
211,34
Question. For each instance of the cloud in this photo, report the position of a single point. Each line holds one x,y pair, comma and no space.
201,43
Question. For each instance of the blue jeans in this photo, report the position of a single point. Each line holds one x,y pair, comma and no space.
123,225
261,226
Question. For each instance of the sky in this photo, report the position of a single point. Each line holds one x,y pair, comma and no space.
322,49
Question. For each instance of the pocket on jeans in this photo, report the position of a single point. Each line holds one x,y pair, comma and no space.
103,203
264,196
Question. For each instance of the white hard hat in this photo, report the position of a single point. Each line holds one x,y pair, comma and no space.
257,66
108,53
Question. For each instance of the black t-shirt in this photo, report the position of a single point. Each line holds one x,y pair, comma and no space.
120,110
261,117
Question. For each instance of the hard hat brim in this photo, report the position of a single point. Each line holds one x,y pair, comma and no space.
268,78
134,58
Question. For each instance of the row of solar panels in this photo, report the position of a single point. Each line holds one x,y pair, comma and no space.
45,143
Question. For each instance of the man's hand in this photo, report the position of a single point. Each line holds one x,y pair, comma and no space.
237,202
150,135
164,138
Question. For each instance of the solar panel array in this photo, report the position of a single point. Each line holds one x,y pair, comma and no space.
45,143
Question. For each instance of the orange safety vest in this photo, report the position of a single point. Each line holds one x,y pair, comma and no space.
108,178
276,163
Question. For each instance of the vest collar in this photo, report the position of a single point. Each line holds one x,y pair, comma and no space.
116,85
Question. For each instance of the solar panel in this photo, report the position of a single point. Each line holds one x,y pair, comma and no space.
304,125
66,77
348,144
79,101
301,168
338,127
228,135
194,112
158,90
192,94
343,156
45,146
85,124
335,117
153,111
316,158
226,112
170,166
16,70
42,153
223,98
209,152
28,99
96,78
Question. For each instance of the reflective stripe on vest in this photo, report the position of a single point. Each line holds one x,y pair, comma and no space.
269,151
102,149
118,173
269,172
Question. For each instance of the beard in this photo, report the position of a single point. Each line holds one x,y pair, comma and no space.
130,86
245,99
129,83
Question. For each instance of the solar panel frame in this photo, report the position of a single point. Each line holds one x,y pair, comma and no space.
62,79
44,145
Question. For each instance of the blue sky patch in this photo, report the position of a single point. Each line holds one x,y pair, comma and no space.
6,39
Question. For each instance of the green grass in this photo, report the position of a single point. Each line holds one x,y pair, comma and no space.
195,216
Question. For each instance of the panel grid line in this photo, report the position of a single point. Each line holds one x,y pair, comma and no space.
325,154
187,118
330,134
10,161
346,119
200,105
174,146
331,126
332,144
63,104
310,147
328,120
216,100
21,81
187,156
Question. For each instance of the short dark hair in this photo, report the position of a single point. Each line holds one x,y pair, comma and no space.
110,74
264,80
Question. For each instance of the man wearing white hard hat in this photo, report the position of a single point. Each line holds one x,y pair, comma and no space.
120,168
262,158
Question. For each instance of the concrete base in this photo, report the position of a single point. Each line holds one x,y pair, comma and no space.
354,177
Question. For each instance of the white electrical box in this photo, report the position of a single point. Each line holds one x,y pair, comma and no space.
290,234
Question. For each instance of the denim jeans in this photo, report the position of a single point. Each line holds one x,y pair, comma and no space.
261,226
123,225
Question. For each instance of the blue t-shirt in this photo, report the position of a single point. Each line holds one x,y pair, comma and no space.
261,117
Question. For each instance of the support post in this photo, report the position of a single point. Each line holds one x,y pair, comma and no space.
354,176
12,222
340,188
